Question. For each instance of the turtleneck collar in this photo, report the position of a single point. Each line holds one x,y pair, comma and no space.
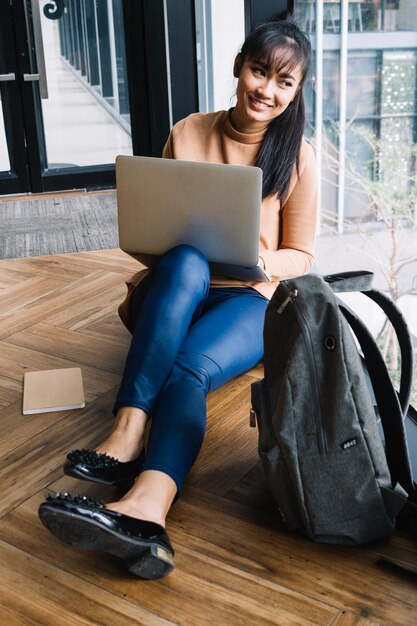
249,138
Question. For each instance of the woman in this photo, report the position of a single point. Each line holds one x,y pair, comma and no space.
192,332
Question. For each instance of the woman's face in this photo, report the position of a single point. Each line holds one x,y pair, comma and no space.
262,93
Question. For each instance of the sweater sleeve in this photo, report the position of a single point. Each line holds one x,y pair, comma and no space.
176,131
298,218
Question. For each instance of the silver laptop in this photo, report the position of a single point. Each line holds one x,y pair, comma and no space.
213,207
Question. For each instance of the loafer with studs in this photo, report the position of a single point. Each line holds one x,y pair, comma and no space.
101,468
85,523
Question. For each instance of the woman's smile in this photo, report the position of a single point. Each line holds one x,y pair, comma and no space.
258,104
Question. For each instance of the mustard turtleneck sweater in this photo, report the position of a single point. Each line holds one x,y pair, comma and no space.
288,230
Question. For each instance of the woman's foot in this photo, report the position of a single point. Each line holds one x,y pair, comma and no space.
100,468
85,523
132,529
119,459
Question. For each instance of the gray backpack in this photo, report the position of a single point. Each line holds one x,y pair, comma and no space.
330,471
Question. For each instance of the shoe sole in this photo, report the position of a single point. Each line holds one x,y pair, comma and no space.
144,559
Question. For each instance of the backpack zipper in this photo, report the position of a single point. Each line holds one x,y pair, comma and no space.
308,343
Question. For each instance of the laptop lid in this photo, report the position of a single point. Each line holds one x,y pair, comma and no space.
213,207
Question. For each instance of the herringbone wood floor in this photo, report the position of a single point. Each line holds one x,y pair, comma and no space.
235,562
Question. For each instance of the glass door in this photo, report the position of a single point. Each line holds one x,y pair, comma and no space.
68,63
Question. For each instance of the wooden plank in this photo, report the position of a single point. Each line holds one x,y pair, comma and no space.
16,360
35,592
112,261
344,618
400,557
49,266
36,306
256,372
67,344
234,397
110,327
252,491
91,309
10,391
25,296
10,277
34,464
204,589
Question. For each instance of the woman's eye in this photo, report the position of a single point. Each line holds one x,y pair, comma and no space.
259,71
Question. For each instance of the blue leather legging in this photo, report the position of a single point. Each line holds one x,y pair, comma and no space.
188,340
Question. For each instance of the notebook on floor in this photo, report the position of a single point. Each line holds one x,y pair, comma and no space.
213,207
53,390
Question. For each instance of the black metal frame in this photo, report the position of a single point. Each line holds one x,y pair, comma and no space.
183,57
257,11
151,97
17,179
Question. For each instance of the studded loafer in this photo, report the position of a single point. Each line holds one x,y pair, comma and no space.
86,523
101,468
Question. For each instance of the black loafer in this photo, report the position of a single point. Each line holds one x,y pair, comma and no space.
85,523
101,468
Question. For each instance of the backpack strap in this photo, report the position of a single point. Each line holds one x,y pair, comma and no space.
388,403
404,339
392,408
361,281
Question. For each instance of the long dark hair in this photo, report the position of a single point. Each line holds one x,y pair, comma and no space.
280,148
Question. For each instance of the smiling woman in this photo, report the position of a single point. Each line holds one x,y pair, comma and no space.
263,90
193,331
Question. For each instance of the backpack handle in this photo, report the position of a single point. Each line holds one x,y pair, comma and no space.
359,280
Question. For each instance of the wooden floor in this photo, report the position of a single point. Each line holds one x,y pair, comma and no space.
235,563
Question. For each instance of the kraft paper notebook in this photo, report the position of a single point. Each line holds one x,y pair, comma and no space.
53,390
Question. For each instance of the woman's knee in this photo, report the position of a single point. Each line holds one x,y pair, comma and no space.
194,369
187,265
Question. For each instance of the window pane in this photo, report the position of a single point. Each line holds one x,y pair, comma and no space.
331,85
362,84
86,114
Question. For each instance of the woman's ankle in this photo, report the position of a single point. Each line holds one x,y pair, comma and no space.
126,440
128,417
144,509
121,448
150,498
